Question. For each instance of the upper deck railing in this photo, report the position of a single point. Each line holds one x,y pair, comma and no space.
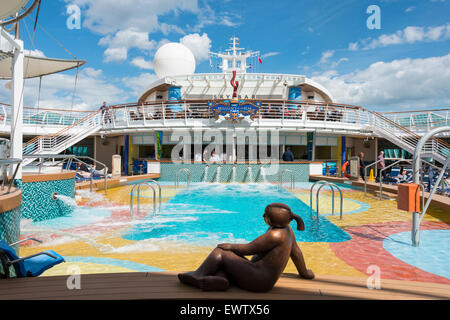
272,112
191,113
43,116
420,120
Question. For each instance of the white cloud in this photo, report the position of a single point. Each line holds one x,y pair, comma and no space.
140,62
57,90
107,17
116,54
139,83
35,53
119,44
326,55
409,35
269,54
199,45
353,46
406,83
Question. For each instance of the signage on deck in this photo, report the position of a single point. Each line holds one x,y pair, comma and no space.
235,110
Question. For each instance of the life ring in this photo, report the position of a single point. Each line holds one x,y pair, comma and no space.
344,167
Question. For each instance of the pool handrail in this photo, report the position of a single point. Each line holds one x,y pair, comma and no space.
332,186
188,177
311,195
148,183
281,175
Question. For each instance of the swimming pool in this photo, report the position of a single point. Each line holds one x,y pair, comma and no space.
214,213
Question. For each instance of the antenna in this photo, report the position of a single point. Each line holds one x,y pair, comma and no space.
235,58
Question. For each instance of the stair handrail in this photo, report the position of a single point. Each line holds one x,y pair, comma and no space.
436,143
61,132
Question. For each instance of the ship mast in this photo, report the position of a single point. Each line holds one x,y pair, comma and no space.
235,59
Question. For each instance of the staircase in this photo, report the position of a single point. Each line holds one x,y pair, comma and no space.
67,137
435,148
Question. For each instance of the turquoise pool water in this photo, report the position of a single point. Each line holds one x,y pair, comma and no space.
80,216
432,254
214,213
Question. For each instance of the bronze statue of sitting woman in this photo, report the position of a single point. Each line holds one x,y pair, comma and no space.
271,252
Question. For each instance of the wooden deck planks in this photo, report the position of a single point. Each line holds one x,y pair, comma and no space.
137,285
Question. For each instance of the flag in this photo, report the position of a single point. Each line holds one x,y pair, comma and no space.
259,59
159,142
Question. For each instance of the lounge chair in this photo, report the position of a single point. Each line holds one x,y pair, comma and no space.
31,266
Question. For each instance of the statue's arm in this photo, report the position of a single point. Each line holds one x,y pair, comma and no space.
263,243
299,262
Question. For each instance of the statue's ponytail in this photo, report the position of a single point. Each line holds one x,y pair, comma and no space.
300,223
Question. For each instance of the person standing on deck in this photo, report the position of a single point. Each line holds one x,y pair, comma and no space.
381,165
106,116
362,166
288,155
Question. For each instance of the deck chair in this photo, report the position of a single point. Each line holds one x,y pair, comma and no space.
31,266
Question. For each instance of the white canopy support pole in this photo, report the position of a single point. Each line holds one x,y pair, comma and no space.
10,39
17,105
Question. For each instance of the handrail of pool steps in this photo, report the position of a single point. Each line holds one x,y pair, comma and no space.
70,159
4,163
188,177
148,183
380,196
417,217
281,175
332,186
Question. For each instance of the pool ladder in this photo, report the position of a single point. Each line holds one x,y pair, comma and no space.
188,177
332,186
280,178
149,183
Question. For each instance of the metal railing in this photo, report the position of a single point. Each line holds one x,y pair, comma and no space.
44,117
65,138
422,120
322,184
281,176
188,177
150,184
408,140
417,217
190,112
4,166
70,159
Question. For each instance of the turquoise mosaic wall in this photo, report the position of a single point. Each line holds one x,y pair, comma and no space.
10,225
168,171
37,202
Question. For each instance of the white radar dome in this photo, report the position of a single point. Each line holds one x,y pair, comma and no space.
173,59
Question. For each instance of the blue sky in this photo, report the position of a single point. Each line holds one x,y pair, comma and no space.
404,65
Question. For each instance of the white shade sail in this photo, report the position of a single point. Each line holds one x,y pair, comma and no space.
38,66
9,8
